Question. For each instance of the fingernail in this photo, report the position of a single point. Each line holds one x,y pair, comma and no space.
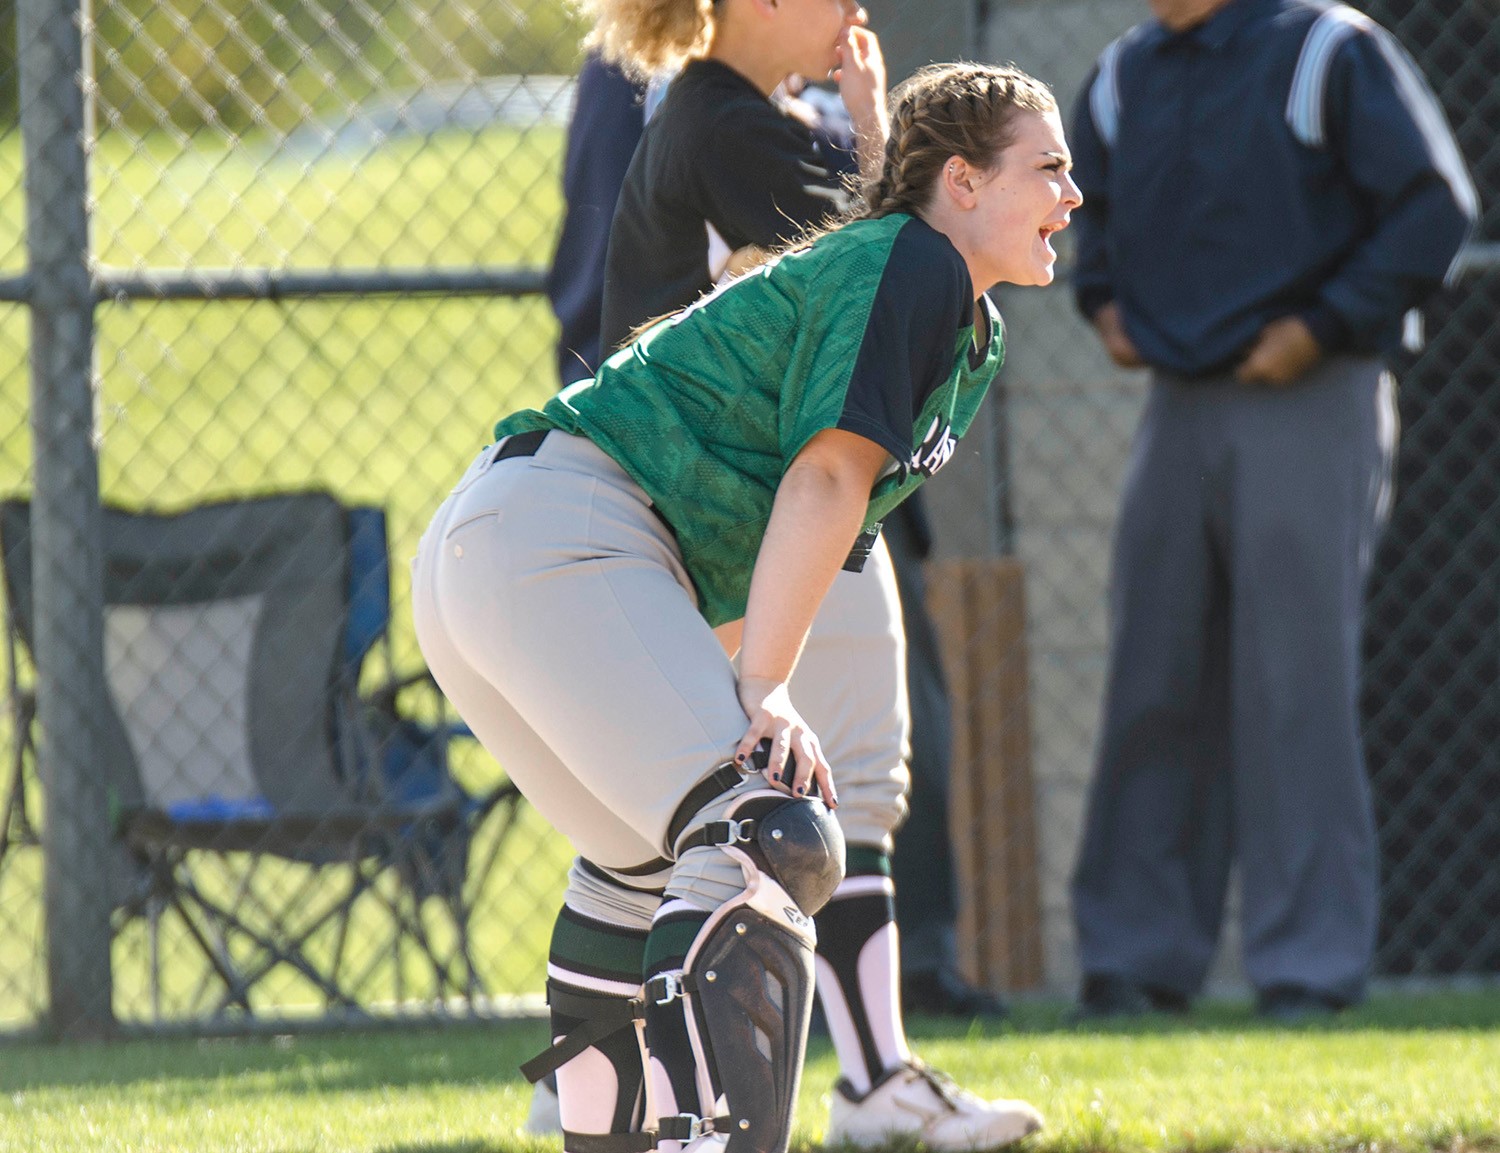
801,789
776,776
739,758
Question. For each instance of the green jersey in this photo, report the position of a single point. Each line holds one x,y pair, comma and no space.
870,329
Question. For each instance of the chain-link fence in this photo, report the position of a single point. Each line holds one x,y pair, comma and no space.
1430,708
293,247
269,247
315,233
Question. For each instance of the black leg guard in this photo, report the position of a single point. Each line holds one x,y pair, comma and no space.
729,1031
754,978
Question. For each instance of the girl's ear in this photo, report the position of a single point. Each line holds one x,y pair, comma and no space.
958,179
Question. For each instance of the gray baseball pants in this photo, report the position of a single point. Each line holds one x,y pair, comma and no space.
1230,732
553,609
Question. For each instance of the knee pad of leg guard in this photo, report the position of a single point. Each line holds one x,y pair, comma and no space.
796,843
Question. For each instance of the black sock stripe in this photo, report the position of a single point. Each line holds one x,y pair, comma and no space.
844,928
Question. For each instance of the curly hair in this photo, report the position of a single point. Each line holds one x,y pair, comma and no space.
646,37
946,110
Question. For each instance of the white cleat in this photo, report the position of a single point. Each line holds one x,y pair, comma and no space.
544,1116
913,1101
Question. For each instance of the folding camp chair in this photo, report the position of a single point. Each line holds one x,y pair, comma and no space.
237,635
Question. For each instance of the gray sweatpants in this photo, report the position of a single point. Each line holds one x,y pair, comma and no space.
1230,730
553,609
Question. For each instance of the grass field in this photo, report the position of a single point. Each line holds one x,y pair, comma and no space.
1409,1074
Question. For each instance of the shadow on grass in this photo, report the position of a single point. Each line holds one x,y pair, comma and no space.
309,1064
490,1056
497,1146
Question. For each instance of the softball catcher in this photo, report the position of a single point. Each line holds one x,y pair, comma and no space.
716,475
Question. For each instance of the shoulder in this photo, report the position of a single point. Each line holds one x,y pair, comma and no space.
897,234
1315,30
711,95
1101,94
689,107
746,126
1336,42
1131,43
900,274
715,120
922,253
1319,33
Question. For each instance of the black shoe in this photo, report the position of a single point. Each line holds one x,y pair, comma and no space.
1105,996
944,993
1295,1005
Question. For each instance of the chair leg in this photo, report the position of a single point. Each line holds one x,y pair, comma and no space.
15,825
236,991
287,948
153,947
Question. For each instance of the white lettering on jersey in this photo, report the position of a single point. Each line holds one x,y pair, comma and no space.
937,448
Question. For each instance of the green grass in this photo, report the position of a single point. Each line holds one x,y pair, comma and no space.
1403,1074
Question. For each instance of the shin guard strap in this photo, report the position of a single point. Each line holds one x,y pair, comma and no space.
609,1142
602,1017
685,1127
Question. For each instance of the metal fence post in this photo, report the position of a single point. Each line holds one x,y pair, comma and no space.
68,575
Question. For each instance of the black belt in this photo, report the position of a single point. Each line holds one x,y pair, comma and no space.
522,444
527,444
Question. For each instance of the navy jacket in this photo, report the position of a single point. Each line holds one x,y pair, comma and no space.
1284,157
602,135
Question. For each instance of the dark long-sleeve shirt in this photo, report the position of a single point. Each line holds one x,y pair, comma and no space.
1284,157
719,167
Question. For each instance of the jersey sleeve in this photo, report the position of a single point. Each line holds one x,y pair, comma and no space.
903,348
763,180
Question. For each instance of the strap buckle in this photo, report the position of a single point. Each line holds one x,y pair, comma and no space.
685,1127
740,832
669,985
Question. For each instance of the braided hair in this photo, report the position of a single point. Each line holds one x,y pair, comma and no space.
946,110
647,37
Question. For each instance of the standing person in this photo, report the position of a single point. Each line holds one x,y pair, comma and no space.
723,173
1271,186
605,125
568,592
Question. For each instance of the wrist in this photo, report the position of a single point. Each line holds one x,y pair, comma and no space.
871,124
768,682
